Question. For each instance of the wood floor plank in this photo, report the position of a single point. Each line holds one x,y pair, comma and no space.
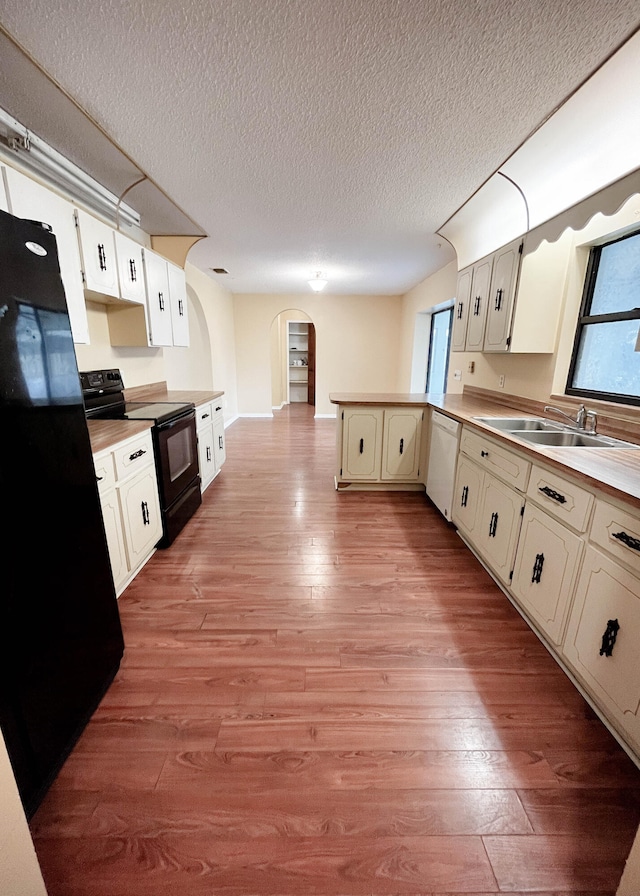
325,693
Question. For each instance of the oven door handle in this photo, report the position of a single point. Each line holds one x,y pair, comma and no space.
171,423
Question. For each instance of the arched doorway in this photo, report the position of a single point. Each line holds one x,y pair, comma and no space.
293,359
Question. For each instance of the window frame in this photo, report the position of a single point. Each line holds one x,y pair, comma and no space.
585,318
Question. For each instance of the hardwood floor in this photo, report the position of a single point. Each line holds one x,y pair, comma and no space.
324,693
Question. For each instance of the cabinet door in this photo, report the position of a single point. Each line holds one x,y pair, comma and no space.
607,593
31,200
98,250
478,305
499,526
401,442
362,443
461,311
141,515
467,495
158,304
115,538
206,456
178,298
219,451
130,270
506,266
545,571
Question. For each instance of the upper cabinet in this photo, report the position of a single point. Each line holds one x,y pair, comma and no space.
178,299
502,293
162,318
98,249
511,300
130,269
29,199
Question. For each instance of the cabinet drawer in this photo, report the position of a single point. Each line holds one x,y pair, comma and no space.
503,463
605,593
563,499
133,455
218,409
105,471
618,532
204,415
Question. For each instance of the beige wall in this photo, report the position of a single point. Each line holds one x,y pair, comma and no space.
432,292
357,343
19,870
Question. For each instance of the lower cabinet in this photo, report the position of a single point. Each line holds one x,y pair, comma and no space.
128,490
545,570
379,445
499,525
602,639
211,450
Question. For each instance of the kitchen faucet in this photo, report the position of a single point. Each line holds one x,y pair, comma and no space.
580,418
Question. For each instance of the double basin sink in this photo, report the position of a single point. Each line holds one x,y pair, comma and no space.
543,432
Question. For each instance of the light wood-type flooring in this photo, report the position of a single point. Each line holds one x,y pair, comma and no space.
325,693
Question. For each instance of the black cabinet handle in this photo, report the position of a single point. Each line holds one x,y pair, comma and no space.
208,453
537,569
484,454
180,311
203,416
220,445
361,446
499,294
132,270
145,513
609,637
401,446
161,301
102,257
493,525
99,478
137,454
476,306
219,408
628,540
460,309
465,496
555,496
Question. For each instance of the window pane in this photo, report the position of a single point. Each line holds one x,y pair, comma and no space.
607,361
617,285
439,357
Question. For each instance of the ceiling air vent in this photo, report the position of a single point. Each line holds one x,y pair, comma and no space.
220,270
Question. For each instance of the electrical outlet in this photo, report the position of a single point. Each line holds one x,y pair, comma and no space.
471,366
457,374
501,381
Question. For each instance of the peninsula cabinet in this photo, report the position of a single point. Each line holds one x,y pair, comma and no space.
128,489
29,199
380,445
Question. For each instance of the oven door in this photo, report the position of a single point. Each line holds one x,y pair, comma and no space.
176,457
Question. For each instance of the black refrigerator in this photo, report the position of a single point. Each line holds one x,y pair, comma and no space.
60,635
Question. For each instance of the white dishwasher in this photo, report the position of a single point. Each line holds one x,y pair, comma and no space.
443,451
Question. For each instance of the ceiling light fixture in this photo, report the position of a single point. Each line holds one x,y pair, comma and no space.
317,284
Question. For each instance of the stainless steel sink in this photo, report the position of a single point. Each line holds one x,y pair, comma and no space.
571,439
541,431
510,424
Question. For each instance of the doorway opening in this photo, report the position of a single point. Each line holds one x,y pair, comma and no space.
293,359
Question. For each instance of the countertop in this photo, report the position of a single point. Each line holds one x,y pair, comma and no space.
615,471
107,433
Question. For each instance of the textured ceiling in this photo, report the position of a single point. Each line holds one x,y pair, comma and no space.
303,136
